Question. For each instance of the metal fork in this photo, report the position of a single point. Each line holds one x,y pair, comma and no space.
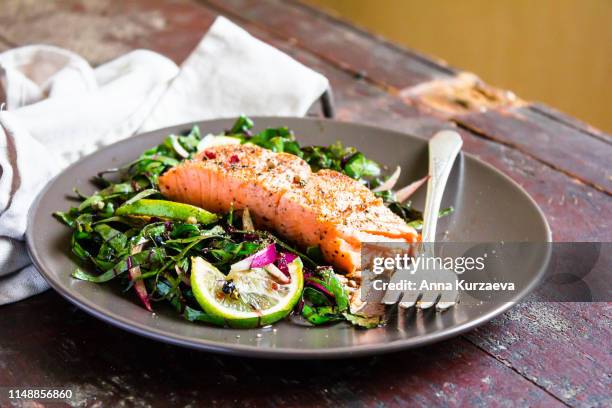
443,150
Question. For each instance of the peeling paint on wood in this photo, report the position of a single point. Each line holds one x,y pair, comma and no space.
461,94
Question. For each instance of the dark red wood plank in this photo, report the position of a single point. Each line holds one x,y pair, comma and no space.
112,367
564,348
569,120
555,143
574,211
100,32
555,345
350,49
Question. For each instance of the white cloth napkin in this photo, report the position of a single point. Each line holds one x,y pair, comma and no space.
58,108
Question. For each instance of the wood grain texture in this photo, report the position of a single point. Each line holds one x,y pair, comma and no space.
463,98
539,355
556,345
348,49
110,367
100,30
549,141
568,120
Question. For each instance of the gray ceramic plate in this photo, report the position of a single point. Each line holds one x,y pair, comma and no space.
488,207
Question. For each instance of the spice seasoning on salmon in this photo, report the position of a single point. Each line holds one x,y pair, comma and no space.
324,208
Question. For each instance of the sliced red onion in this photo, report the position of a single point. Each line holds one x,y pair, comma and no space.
308,273
264,257
141,290
391,181
241,266
139,285
283,260
259,259
277,274
289,257
404,193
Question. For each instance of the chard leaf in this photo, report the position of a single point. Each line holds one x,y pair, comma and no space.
194,315
315,253
65,217
91,201
362,321
358,167
315,297
321,315
242,125
150,259
112,238
333,284
143,194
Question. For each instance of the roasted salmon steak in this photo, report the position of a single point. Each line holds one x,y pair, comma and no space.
326,208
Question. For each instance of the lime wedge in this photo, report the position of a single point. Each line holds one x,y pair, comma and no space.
246,299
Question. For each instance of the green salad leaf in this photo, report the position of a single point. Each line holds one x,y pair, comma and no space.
127,232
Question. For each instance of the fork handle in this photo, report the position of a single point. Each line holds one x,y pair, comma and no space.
443,150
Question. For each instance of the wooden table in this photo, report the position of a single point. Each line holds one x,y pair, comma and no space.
537,354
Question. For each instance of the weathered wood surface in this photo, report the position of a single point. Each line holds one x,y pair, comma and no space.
548,141
433,85
537,354
113,367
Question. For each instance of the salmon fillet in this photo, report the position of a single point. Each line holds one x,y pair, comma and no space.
325,208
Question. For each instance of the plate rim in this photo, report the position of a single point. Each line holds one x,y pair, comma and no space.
277,353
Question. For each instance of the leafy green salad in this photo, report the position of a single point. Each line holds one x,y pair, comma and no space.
214,268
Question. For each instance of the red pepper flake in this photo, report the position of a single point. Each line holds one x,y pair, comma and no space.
234,159
209,154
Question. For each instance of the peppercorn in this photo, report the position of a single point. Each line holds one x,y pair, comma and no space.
228,287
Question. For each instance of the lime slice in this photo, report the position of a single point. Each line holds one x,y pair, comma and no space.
246,299
216,140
